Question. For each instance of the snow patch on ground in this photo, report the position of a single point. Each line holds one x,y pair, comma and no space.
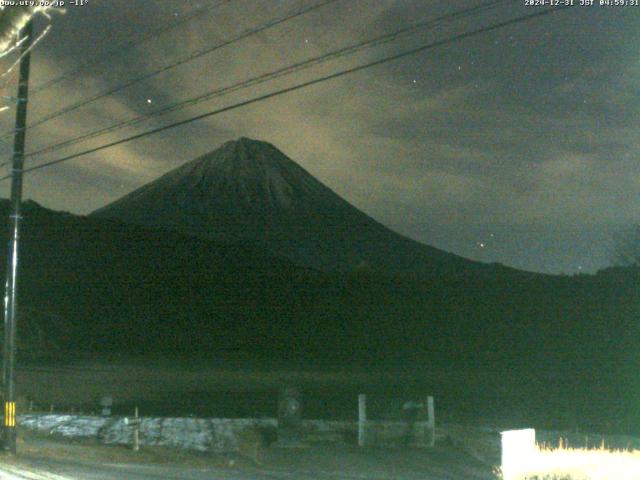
203,434
219,435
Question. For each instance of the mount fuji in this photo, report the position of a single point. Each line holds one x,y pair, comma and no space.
249,192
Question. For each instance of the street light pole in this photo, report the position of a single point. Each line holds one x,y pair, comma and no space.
11,286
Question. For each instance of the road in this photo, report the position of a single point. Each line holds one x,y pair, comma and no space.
153,472
116,471
438,466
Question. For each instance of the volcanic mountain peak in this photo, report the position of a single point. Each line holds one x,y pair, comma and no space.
248,191
252,173
241,158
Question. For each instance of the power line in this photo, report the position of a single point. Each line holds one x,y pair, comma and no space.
290,69
182,61
301,86
124,47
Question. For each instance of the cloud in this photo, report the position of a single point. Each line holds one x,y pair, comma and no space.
531,127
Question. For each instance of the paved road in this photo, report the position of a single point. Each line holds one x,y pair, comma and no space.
43,458
78,471
442,468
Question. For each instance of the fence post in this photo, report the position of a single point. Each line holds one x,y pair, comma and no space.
136,432
362,419
431,421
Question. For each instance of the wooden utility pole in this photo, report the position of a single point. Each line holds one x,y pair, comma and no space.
11,285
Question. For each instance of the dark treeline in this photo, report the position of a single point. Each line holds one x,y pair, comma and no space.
96,286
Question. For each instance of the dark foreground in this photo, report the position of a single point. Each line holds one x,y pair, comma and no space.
508,395
47,459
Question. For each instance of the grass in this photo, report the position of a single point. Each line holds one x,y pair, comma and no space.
565,463
239,387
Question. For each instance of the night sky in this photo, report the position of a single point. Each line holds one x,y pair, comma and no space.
518,146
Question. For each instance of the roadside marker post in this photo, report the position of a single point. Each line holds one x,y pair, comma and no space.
9,414
135,424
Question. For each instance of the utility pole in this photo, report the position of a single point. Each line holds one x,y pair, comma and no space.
11,286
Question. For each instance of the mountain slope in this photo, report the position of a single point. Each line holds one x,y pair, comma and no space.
249,192
100,285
